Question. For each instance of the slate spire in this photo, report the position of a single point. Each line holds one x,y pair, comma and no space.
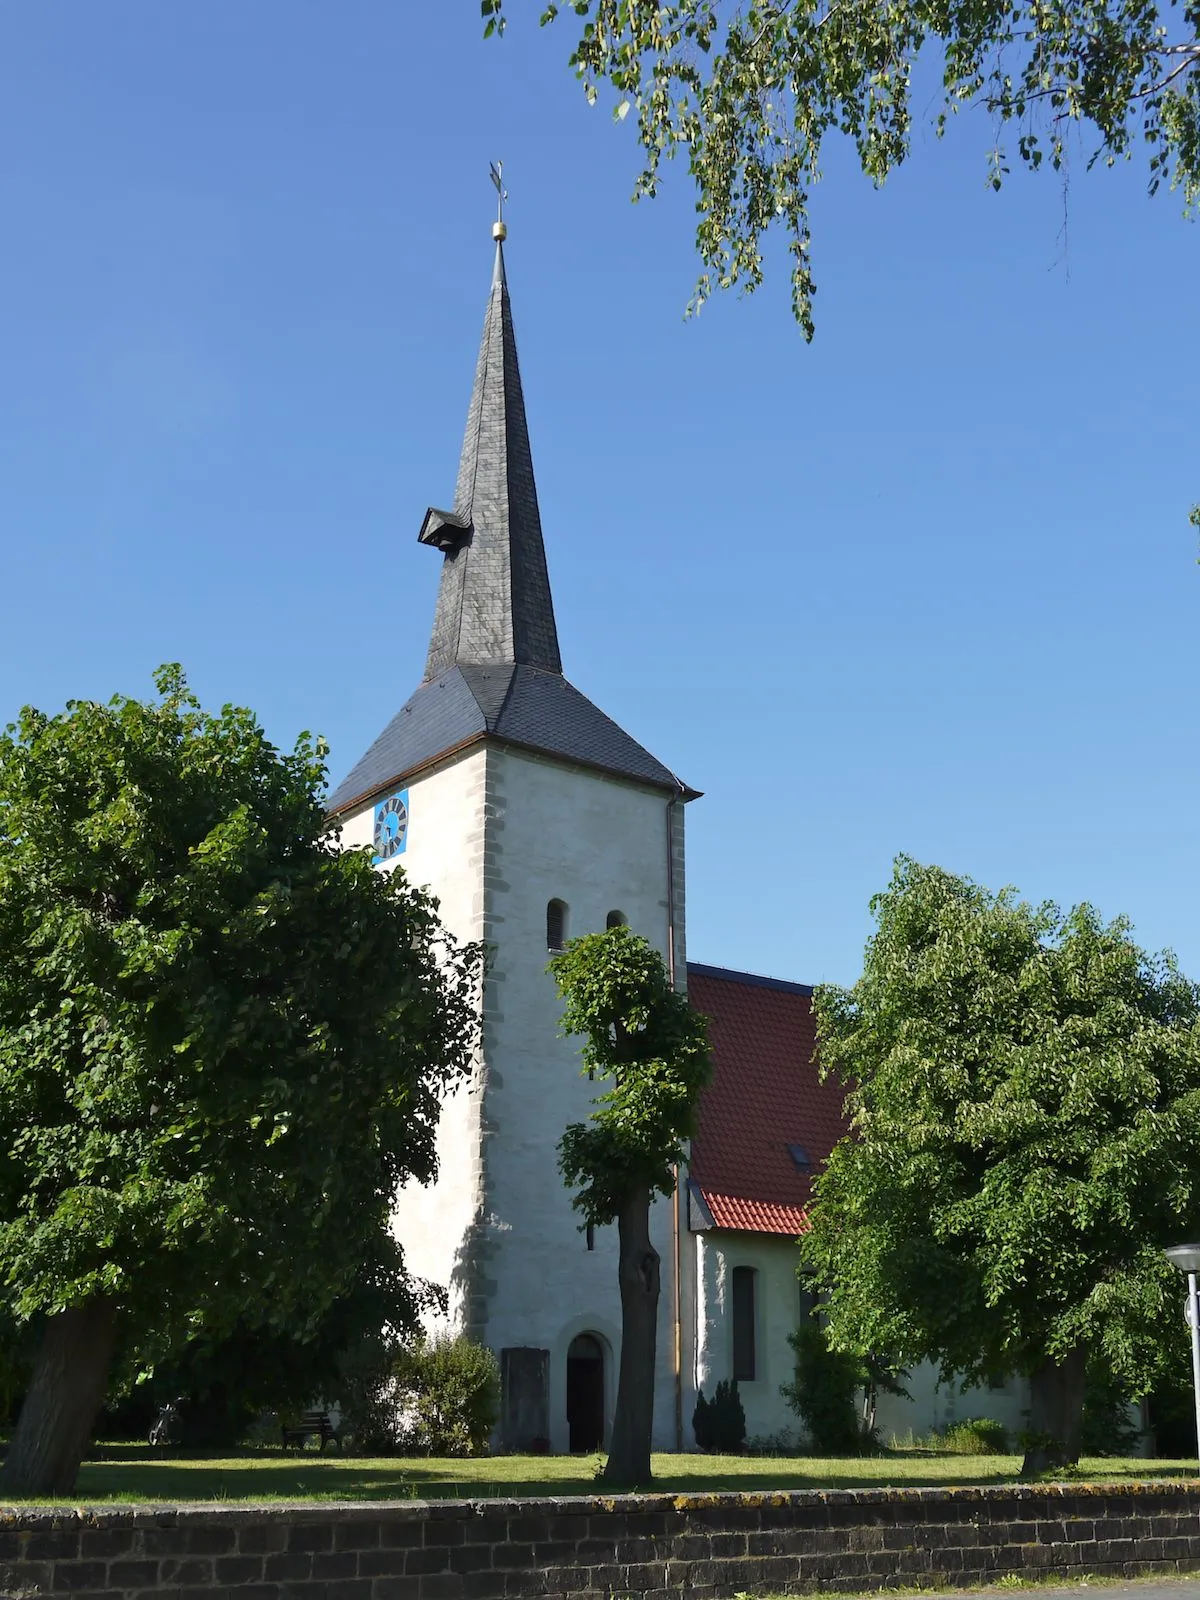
494,605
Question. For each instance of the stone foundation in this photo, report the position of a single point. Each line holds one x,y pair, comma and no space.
654,1546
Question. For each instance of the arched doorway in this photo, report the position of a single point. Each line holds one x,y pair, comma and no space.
585,1392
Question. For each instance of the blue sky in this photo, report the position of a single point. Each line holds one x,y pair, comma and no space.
926,585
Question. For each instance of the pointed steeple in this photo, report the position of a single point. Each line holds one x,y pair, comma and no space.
494,605
494,672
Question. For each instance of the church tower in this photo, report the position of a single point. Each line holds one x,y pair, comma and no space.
532,817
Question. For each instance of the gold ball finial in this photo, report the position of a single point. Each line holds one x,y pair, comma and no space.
499,231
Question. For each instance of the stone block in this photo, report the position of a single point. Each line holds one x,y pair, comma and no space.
289,1566
355,1535
25,1577
394,1588
262,1538
441,1531
522,1583
186,1571
208,1539
381,1563
512,1556
238,1569
401,1534
471,1558
140,1574
729,1544
488,1528
441,1586
340,1564
70,1575
58,1545
95,1543
480,1586
529,1530
310,1536
426,1559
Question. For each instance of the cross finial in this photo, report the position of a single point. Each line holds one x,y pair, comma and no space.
499,230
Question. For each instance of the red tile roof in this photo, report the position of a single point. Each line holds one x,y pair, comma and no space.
755,1216
764,1095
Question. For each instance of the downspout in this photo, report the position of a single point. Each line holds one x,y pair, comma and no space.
676,1228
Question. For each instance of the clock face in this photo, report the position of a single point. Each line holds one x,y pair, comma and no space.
391,826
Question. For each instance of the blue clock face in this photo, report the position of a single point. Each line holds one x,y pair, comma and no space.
391,826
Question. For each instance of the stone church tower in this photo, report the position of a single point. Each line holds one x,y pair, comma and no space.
532,817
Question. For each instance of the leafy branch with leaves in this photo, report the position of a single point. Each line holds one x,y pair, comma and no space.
750,91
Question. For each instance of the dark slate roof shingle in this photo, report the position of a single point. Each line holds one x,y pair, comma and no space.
494,601
517,705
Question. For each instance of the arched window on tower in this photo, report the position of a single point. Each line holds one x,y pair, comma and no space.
615,919
556,924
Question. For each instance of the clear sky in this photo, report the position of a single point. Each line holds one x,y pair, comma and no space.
927,585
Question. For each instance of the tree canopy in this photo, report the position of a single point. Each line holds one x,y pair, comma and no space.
222,1046
650,1050
1024,1093
751,90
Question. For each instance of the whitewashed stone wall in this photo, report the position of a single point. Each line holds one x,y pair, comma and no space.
444,853
599,845
495,834
776,1311
930,1405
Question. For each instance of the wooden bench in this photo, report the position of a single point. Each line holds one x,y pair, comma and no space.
312,1423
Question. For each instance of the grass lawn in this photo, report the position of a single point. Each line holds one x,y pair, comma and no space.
134,1473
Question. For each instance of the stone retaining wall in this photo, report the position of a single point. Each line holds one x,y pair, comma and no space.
654,1546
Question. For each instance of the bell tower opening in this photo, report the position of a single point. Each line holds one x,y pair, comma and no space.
585,1393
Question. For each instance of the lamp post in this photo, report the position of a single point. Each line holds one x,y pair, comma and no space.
1187,1258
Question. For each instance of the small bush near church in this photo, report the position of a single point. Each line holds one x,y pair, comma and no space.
720,1423
449,1397
976,1436
823,1392
438,1397
365,1394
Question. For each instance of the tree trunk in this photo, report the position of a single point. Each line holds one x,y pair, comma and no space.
70,1374
628,1462
1055,1414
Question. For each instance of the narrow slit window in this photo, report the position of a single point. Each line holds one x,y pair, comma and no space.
743,1286
556,924
591,1235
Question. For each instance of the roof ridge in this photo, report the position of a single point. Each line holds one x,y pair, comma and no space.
755,980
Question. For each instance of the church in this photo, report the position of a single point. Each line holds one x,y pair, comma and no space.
533,817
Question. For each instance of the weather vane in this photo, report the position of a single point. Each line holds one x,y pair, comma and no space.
499,231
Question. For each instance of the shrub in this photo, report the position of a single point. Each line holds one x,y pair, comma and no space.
448,1397
719,1424
976,1436
365,1394
1107,1428
824,1391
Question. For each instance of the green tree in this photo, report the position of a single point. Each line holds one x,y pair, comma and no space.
749,90
650,1048
1024,1092
222,1044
